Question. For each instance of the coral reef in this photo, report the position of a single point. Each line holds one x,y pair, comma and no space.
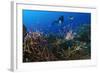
38,47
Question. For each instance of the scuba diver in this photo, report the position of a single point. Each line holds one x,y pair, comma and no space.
60,20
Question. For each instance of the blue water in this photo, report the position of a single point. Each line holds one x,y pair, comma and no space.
35,20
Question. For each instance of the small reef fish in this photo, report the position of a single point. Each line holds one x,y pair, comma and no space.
71,17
